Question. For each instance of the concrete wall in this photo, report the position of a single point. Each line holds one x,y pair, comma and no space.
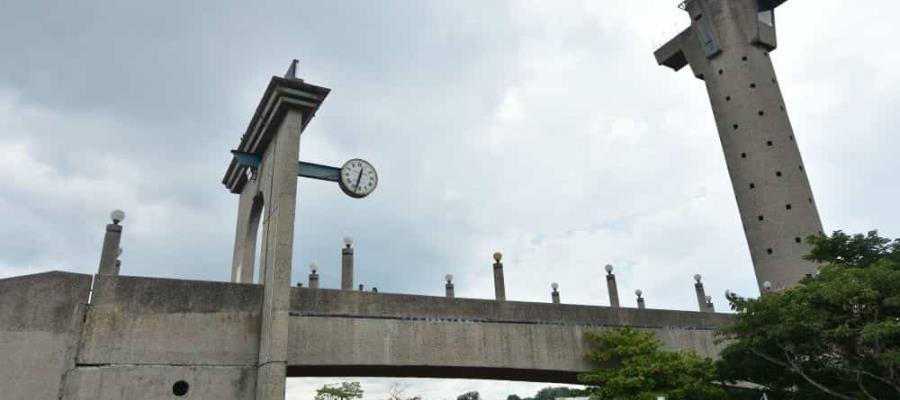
142,335
40,323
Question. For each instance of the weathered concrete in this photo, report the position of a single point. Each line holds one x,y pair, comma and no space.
142,335
40,324
109,253
340,333
727,46
271,190
153,382
137,321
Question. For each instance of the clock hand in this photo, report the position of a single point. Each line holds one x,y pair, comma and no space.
358,179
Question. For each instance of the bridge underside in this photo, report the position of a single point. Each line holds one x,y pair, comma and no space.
430,371
139,336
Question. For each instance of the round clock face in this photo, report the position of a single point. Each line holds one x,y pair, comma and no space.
358,178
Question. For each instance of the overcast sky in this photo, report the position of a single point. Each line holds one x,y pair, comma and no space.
542,129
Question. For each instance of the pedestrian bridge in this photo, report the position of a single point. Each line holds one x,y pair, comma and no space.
159,331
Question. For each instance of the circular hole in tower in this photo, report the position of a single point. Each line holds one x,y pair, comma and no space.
180,388
760,218
752,86
769,251
743,155
744,58
801,168
788,206
798,240
761,113
727,98
778,173
769,143
721,72
752,186
735,126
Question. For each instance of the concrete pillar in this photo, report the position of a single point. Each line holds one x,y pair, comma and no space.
250,205
449,286
499,286
701,293
767,173
347,265
709,304
611,287
554,295
280,192
109,253
313,276
640,299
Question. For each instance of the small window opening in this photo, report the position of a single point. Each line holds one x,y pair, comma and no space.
752,186
760,218
743,155
778,173
769,143
727,98
798,240
721,72
744,58
735,126
752,86
770,251
761,113
787,206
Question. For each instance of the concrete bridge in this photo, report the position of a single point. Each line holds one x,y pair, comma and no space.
140,338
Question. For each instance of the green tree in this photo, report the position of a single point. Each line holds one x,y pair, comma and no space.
341,391
473,395
835,335
513,397
552,393
632,365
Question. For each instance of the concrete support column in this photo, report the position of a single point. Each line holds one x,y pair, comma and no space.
701,294
554,295
279,188
709,304
640,299
109,253
449,286
347,265
611,287
499,285
250,205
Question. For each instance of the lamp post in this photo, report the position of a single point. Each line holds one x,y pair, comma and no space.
448,287
611,286
313,276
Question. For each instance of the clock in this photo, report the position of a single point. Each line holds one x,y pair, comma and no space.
358,178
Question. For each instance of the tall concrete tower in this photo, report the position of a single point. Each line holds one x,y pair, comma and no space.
727,46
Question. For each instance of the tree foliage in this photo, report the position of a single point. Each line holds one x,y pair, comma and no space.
342,391
836,335
632,365
473,395
553,393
